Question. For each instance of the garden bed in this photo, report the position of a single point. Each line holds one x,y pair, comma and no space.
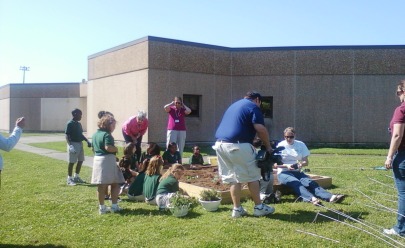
197,179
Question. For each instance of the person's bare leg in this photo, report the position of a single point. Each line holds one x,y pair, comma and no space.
235,194
78,167
101,188
115,189
254,188
70,169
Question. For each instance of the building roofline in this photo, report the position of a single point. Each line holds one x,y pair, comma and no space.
244,49
36,84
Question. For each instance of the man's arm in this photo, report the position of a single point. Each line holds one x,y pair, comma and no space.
263,134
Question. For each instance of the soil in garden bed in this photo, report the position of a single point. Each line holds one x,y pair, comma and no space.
204,176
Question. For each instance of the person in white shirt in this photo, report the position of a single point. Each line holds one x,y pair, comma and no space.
294,157
7,144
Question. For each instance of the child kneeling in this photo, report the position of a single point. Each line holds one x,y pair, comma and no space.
169,185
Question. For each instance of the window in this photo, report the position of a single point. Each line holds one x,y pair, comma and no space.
193,102
267,106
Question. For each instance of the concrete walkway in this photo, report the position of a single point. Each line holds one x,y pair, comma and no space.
24,142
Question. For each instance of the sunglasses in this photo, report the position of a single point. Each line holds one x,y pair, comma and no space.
399,92
177,102
289,137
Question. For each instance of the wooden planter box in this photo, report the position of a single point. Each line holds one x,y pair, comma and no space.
194,191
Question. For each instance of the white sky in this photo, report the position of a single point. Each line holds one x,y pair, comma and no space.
55,37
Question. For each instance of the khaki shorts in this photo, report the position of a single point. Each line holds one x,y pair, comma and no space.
79,155
237,162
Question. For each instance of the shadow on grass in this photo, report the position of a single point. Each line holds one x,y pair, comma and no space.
44,246
154,212
306,216
86,185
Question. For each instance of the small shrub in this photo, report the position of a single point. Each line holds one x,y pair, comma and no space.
210,195
179,200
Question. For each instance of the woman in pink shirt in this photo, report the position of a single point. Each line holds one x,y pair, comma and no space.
134,129
176,125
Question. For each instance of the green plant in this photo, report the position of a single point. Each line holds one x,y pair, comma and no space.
210,195
178,200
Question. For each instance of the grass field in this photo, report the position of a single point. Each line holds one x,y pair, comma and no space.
37,208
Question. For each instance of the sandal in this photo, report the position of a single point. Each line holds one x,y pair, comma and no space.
337,198
316,202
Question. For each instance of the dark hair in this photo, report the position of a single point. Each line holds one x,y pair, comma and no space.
76,111
129,149
170,145
125,163
153,149
251,95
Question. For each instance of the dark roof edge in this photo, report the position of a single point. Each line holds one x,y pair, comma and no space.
36,84
242,49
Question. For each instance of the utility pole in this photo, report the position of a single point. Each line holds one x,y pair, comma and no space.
24,69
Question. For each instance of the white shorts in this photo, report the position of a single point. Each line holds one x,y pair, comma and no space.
163,200
79,155
237,162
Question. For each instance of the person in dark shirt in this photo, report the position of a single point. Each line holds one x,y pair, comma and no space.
171,155
74,138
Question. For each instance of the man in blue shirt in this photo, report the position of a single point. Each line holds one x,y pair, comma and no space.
236,155
6,144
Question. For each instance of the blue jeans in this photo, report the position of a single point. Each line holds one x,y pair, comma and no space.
398,167
303,186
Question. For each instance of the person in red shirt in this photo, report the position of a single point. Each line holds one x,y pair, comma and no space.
134,129
396,159
176,125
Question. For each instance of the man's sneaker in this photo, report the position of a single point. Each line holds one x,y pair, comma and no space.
104,210
70,182
236,213
77,179
115,209
391,232
262,210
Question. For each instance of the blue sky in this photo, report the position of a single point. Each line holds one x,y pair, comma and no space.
54,37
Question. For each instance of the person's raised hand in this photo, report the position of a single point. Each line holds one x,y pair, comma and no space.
20,122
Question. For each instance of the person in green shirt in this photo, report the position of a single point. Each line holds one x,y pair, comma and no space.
171,155
74,137
105,169
135,190
196,159
152,177
169,185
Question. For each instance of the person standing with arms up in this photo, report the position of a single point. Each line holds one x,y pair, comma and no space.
236,154
176,125
74,138
396,159
6,144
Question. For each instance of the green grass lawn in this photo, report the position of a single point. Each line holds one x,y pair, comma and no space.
39,209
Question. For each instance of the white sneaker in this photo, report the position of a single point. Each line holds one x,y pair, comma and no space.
262,210
115,209
70,182
77,179
391,232
236,213
104,210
